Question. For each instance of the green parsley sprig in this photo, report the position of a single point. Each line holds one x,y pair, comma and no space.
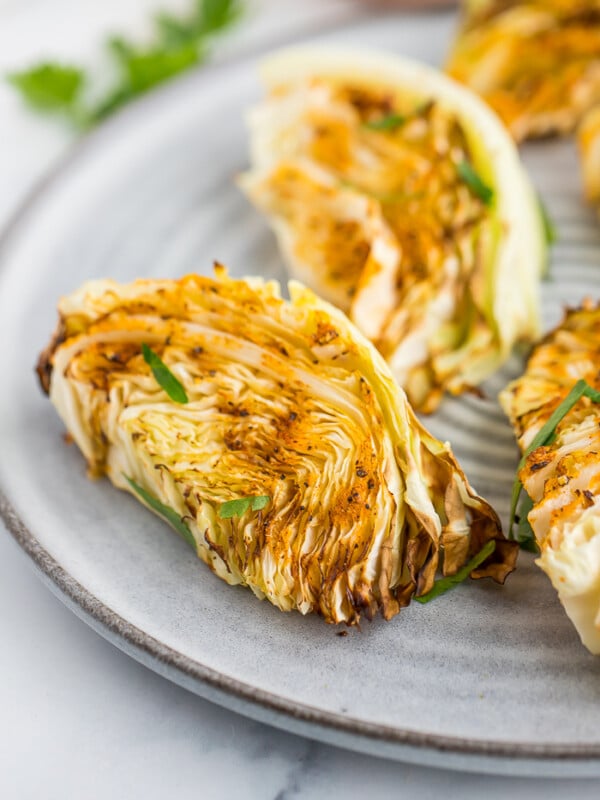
164,377
238,507
525,536
50,87
444,585
178,44
172,517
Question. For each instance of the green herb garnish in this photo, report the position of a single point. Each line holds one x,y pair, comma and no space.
550,231
467,173
525,536
172,517
49,87
544,436
387,123
164,377
237,508
178,44
445,584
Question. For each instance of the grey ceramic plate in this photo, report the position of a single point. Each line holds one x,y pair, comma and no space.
486,678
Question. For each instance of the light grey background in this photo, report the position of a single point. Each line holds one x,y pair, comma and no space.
80,719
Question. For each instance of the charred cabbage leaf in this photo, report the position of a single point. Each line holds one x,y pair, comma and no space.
296,467
536,62
398,196
562,475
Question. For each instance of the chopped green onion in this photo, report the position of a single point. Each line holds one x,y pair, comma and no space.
164,377
388,123
445,584
467,173
550,231
525,535
545,436
172,517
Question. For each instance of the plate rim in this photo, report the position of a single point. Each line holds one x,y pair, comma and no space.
136,642
229,692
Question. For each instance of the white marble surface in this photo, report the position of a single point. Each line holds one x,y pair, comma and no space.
79,718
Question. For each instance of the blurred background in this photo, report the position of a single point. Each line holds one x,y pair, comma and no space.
76,31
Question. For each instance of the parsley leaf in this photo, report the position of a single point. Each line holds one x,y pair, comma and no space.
545,436
178,44
237,508
172,517
142,69
467,173
387,123
208,18
164,377
214,15
445,584
49,87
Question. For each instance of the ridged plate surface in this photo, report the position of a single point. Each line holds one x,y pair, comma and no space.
485,678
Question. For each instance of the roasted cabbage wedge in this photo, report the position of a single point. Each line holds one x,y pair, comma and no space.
536,62
296,467
562,478
398,196
589,148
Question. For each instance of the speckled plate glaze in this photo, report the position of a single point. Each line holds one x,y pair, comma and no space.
486,678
